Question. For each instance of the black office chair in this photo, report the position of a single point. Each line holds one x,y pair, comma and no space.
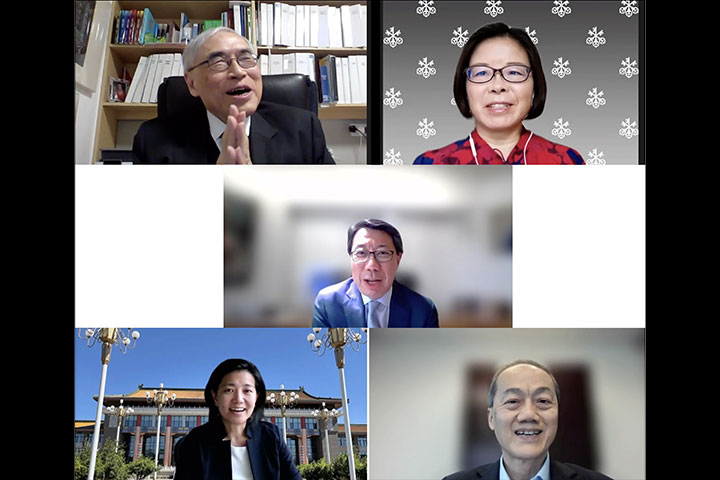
293,89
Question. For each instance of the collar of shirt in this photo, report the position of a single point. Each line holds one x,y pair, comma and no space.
385,300
542,474
217,127
486,154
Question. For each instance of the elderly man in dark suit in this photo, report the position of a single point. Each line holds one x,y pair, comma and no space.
222,69
372,297
523,413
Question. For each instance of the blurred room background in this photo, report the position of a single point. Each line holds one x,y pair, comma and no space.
286,238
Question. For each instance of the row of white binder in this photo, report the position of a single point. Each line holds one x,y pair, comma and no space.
315,26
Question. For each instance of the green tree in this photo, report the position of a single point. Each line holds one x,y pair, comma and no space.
109,464
142,467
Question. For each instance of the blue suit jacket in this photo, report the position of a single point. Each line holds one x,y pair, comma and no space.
341,305
558,471
204,455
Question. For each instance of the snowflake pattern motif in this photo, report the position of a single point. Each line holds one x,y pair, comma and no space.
629,68
595,99
460,37
426,68
392,158
562,129
629,8
426,8
628,129
596,38
532,35
392,37
493,8
562,68
595,158
561,8
426,129
393,99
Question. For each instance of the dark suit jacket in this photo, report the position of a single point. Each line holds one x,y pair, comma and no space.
341,305
204,455
558,471
279,134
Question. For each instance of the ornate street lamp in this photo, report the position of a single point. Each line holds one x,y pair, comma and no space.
325,415
284,401
121,412
337,339
159,398
108,337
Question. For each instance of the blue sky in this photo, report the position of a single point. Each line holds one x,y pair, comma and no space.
182,357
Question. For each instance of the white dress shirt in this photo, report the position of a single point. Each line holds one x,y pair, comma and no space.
385,313
217,128
542,474
240,461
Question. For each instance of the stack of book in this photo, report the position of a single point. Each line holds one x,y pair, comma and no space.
150,73
343,79
316,26
139,27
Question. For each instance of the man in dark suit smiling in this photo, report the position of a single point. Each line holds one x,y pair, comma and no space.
222,69
523,413
372,297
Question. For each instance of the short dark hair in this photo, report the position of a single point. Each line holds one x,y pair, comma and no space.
228,366
375,224
493,382
494,30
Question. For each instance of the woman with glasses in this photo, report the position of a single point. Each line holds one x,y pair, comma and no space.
235,444
499,82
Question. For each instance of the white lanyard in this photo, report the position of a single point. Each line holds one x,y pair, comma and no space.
474,152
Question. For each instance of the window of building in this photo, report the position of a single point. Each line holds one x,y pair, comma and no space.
311,423
147,421
191,421
150,448
294,423
177,421
131,447
310,449
292,446
130,421
362,441
203,420
341,440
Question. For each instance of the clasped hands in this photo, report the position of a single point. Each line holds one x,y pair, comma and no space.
235,143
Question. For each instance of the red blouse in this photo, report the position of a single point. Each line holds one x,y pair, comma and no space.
531,149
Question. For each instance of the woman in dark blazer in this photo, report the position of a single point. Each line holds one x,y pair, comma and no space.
235,444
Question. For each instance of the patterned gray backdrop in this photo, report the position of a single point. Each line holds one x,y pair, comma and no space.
590,55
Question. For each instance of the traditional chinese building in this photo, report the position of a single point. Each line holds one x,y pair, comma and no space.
138,432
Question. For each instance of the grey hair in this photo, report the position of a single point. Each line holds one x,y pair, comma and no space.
189,55
493,382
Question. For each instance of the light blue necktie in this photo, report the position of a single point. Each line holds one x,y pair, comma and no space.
374,310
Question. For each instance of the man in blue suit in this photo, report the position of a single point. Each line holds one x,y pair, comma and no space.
372,297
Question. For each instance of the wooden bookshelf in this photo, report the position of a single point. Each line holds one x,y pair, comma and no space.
119,57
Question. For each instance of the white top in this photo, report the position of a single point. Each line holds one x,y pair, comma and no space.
542,474
240,462
385,313
217,128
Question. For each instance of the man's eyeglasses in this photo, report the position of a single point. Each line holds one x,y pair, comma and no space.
362,256
511,73
221,63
